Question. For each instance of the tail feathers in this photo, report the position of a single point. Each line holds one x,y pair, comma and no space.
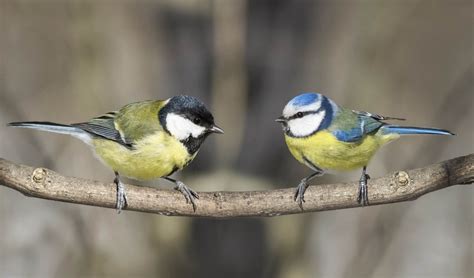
47,126
405,130
55,128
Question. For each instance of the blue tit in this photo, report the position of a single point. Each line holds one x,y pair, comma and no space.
144,140
324,136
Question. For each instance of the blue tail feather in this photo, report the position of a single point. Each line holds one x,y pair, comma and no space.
404,130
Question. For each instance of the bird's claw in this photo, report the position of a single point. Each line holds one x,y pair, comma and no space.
189,194
299,194
121,197
363,196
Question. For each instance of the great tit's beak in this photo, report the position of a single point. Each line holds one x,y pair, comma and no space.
216,129
280,119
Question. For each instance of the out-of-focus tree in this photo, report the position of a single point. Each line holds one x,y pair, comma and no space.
69,61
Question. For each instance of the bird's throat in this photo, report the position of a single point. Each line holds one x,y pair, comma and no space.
193,144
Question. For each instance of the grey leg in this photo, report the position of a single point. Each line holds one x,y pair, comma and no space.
301,189
363,197
188,193
121,196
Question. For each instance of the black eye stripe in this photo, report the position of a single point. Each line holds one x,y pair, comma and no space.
296,116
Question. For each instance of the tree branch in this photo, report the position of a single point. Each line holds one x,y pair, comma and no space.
395,187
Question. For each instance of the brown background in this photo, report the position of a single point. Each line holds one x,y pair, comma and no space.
68,61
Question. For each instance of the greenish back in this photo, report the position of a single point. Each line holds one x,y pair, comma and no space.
131,123
137,120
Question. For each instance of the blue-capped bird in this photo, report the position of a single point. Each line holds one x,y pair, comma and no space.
144,140
324,136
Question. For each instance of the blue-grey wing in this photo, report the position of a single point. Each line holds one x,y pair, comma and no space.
376,116
361,124
104,127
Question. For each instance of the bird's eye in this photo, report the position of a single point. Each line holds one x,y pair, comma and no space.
299,115
197,121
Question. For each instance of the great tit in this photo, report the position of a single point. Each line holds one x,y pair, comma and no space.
144,140
324,136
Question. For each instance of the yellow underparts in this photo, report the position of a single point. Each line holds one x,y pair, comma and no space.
152,157
326,152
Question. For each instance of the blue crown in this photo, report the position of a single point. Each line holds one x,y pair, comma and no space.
304,99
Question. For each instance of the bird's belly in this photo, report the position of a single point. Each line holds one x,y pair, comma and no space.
153,157
325,151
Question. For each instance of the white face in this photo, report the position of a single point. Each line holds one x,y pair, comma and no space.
306,125
181,128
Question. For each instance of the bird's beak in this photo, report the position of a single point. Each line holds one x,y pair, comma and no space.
280,119
216,129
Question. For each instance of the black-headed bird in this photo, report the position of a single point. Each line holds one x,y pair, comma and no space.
144,140
324,136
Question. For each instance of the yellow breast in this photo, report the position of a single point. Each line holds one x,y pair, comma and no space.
325,151
153,157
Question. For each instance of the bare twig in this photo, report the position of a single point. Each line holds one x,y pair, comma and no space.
396,187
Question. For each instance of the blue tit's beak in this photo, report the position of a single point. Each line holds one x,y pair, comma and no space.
216,129
280,119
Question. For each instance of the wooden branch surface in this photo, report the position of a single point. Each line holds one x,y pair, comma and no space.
396,187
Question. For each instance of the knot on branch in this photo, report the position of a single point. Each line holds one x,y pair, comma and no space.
402,178
39,175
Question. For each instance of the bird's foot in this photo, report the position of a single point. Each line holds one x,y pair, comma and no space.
299,194
363,197
121,196
188,193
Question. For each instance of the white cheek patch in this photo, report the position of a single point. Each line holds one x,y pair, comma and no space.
291,109
305,126
181,128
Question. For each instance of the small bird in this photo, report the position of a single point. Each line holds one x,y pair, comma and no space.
324,136
144,140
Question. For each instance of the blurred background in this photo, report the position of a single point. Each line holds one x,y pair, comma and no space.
68,61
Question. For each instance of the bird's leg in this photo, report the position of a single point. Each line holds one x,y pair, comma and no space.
301,189
121,196
188,193
363,197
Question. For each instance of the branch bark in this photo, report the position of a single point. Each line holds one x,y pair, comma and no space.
396,187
